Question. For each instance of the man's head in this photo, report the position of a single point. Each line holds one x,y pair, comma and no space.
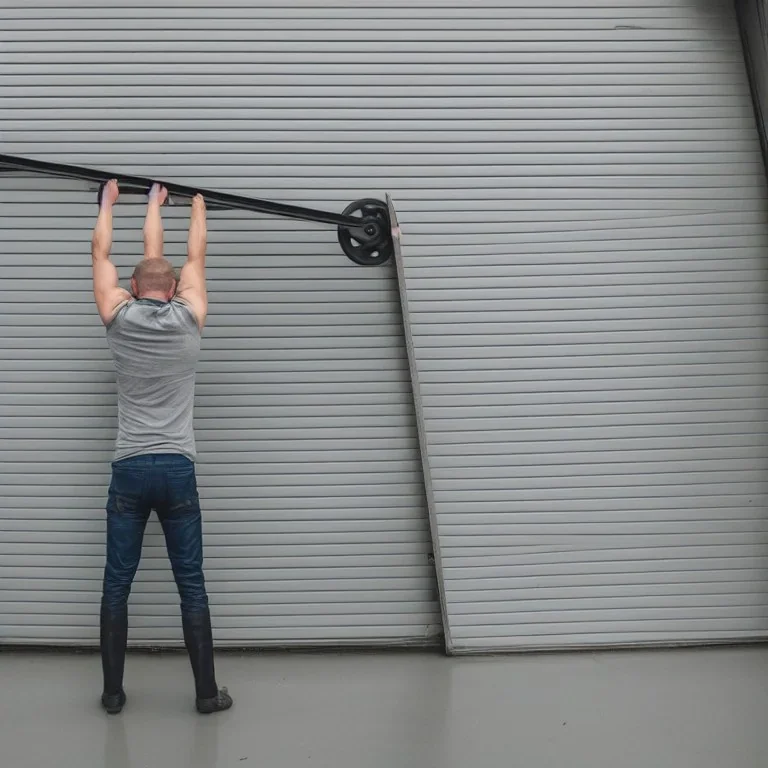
154,279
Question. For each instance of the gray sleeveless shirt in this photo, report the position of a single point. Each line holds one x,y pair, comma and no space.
155,347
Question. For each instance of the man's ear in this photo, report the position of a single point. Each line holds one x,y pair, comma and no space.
134,288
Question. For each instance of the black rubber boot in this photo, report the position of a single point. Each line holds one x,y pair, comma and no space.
113,640
199,641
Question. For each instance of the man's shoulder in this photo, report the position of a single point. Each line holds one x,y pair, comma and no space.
184,309
119,314
188,310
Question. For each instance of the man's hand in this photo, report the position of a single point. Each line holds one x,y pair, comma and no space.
198,212
106,290
110,193
158,194
191,288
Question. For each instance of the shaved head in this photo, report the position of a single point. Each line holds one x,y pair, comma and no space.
154,276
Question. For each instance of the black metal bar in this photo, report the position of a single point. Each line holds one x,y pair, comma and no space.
218,199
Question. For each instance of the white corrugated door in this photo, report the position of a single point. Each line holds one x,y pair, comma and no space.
591,345
315,521
592,371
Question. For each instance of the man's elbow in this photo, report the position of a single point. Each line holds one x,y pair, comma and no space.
196,252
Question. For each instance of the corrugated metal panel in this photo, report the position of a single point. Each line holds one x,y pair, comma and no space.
519,140
315,523
315,520
591,351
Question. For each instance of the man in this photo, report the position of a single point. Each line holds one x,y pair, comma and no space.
154,336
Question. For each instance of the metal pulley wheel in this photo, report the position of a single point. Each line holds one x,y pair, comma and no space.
369,244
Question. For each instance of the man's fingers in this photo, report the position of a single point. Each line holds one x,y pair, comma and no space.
158,192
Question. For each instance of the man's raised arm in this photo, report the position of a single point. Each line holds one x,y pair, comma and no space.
192,280
106,289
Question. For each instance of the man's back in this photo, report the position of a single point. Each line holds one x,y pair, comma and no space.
155,346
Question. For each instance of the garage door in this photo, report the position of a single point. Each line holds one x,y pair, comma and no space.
315,520
583,203
591,346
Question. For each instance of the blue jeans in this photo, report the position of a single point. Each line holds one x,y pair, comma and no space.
167,484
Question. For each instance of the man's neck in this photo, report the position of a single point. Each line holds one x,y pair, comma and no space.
154,296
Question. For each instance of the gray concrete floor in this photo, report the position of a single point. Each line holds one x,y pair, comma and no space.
705,708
